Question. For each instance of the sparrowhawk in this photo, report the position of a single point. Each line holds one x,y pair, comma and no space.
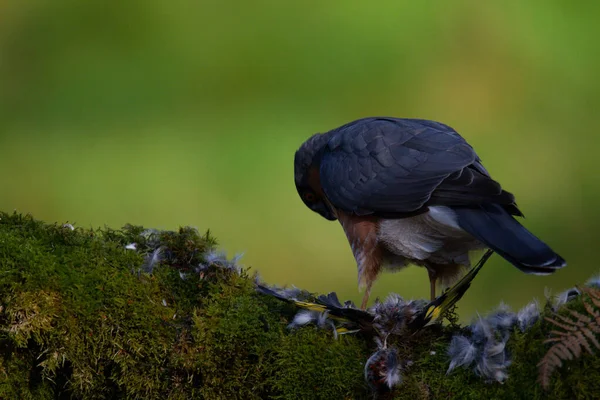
411,191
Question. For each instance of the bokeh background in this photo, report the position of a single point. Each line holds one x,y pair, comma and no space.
189,113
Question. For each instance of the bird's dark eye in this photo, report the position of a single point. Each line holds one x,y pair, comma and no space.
310,197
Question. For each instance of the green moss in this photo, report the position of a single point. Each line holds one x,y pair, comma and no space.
311,365
81,317
238,334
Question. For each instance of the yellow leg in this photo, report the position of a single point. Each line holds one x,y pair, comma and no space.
432,279
365,300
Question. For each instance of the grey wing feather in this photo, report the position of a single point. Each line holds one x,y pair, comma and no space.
394,167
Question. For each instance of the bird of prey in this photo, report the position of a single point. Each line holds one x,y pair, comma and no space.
412,191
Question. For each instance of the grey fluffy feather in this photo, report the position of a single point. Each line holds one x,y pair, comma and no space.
394,314
528,315
564,297
485,351
219,258
502,320
152,259
383,367
593,282
462,352
320,319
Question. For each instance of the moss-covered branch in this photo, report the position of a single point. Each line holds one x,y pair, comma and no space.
85,315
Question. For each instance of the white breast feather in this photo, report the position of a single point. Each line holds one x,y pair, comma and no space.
420,236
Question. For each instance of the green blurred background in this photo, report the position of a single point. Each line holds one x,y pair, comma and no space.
189,113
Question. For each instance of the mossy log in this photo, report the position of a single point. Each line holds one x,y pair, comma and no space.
82,316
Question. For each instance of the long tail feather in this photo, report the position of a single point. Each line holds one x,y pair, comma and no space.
498,230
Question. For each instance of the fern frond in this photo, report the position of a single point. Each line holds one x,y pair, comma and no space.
548,364
580,317
568,320
590,335
566,327
566,350
594,312
581,342
558,337
577,332
594,296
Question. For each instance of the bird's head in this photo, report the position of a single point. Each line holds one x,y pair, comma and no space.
306,175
